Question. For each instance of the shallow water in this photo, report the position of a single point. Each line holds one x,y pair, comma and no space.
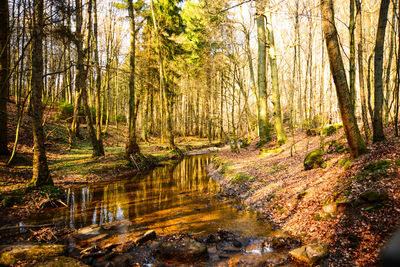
170,199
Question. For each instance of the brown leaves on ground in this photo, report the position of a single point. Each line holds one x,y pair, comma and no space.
293,198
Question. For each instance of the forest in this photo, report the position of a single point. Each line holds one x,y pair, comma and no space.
198,132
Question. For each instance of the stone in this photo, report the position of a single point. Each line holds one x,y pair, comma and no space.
29,251
116,226
87,232
316,252
123,260
282,241
373,196
314,159
309,254
61,261
149,235
231,249
184,249
330,208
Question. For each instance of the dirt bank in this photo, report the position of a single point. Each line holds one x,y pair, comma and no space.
354,206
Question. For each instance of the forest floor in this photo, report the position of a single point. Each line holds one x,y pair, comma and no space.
353,206
68,167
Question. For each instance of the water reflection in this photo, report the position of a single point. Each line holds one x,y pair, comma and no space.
168,199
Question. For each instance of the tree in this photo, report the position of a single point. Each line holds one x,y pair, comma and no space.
4,75
132,146
98,78
377,122
263,129
364,111
276,99
354,139
40,170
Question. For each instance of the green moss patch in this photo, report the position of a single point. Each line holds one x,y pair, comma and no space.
314,159
241,178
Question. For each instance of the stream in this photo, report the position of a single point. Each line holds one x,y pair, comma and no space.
174,199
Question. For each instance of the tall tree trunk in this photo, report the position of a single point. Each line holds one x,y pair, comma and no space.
396,95
352,59
364,111
98,78
79,67
263,128
132,146
40,170
354,139
377,122
276,98
4,71
389,65
98,149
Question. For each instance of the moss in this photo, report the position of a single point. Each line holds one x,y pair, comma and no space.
397,162
240,178
345,163
51,191
314,159
267,152
374,170
373,196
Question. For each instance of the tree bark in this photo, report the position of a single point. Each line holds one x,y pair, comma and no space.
276,98
354,139
364,111
132,146
98,79
4,73
40,170
263,128
377,122
352,59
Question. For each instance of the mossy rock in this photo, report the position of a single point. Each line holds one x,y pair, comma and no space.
345,163
27,252
314,159
373,196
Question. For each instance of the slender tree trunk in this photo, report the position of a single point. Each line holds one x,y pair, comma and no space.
276,98
98,149
132,146
40,170
4,72
396,115
389,65
354,139
352,59
98,79
263,129
364,112
79,68
377,122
